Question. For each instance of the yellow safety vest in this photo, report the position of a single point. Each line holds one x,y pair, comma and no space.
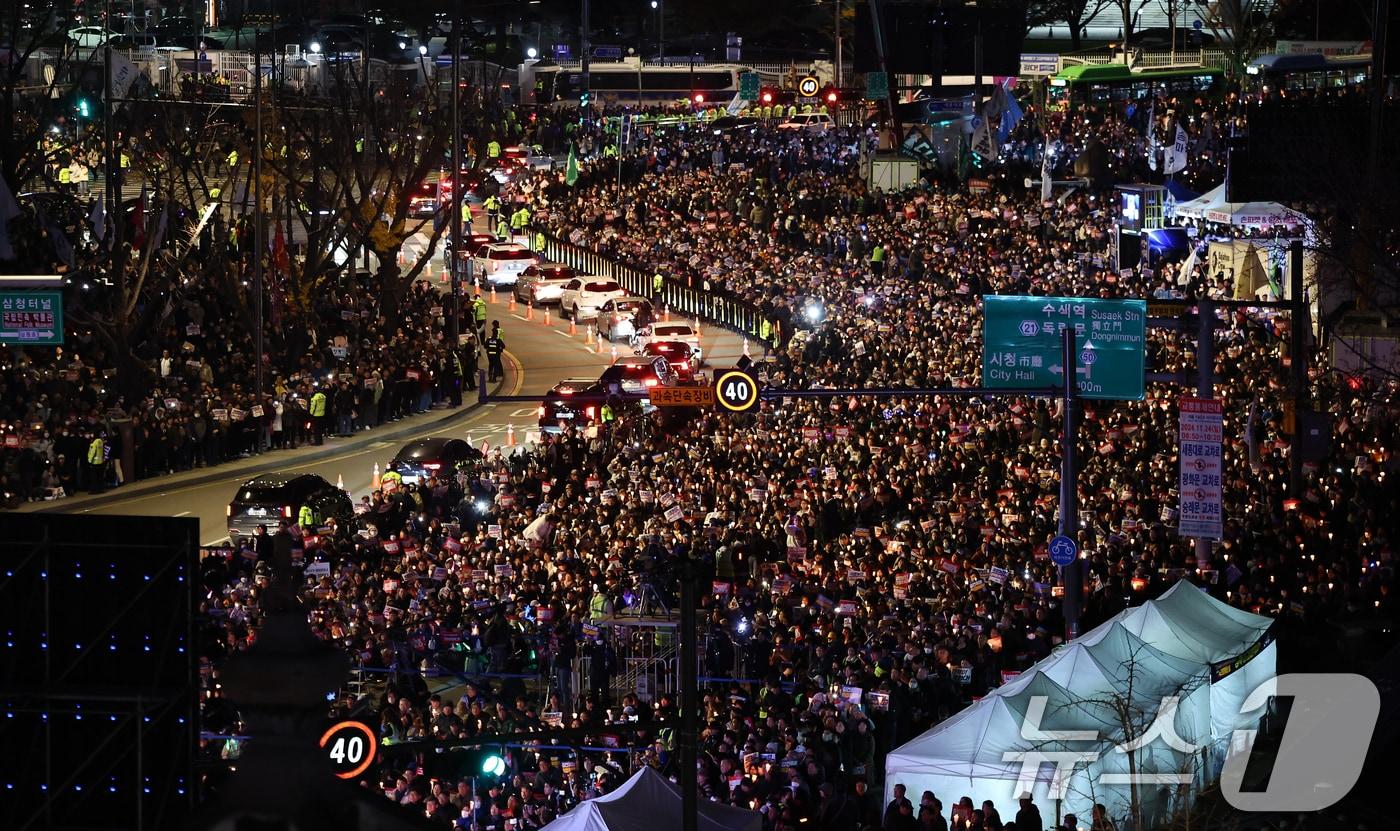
65,176
306,517
97,453
318,405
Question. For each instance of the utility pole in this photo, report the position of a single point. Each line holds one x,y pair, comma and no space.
584,48
689,665
1205,388
660,29
1298,331
1071,574
838,44
453,324
258,232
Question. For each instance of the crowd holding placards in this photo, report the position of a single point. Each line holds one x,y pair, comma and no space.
875,562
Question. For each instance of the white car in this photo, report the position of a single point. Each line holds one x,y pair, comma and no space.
90,37
525,157
808,121
617,318
582,296
678,332
501,263
542,284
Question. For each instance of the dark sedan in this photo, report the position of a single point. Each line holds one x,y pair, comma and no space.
422,458
270,499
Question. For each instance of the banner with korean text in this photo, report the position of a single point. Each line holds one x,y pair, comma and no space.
1202,432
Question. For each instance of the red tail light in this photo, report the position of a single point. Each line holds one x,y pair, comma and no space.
651,382
591,412
287,511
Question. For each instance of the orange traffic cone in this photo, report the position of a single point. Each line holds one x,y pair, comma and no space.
666,314
512,302
597,342
697,327
510,435
374,480
613,350
529,310
546,315
493,294
573,327
339,482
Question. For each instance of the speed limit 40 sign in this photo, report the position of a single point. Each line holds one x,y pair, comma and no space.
351,747
736,391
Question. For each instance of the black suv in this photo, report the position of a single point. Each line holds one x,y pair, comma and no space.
269,499
421,458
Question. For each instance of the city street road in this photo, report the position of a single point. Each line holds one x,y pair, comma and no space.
539,356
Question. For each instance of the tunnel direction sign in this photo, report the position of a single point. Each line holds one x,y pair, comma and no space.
1022,344
31,318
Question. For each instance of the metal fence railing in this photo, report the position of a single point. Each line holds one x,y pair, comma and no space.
679,298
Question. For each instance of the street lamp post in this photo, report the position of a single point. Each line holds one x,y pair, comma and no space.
454,327
660,30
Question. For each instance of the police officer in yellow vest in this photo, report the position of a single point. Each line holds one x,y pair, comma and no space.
317,411
657,284
479,312
492,204
493,149
539,242
765,335
466,215
502,230
97,464
65,175
232,160
306,517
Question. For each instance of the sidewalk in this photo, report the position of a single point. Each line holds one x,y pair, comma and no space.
274,460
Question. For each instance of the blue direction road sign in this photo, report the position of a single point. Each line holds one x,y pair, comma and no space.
1023,344
1063,550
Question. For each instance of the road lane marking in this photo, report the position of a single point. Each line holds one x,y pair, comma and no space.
183,513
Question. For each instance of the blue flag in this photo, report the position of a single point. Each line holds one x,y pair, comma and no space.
1011,115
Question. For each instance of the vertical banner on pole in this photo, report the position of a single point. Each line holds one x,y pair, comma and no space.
1202,433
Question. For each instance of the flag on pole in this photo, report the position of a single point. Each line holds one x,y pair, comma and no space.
62,247
983,142
138,220
1011,114
1174,160
1047,174
162,224
571,169
98,218
1152,134
9,209
280,260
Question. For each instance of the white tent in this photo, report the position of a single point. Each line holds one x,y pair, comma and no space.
1214,206
647,802
1196,208
1130,664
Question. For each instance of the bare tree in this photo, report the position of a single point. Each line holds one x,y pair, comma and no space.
1242,28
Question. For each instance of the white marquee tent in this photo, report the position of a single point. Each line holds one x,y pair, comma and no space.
1213,206
648,802
1163,648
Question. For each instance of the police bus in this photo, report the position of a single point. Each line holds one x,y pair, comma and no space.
630,83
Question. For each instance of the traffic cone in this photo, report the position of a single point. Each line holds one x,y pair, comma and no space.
493,294
746,347
597,342
443,276
613,350
697,328
512,302
665,314
510,435
546,315
529,310
374,480
573,327
339,482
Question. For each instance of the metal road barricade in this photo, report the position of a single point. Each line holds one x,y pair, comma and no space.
683,300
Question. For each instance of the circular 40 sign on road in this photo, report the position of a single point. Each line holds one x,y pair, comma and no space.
351,747
736,391
808,87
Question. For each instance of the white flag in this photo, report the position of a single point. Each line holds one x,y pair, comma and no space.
983,141
123,76
736,105
1174,160
1152,134
1046,173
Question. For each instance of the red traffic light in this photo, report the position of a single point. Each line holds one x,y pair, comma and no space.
831,96
699,97
766,97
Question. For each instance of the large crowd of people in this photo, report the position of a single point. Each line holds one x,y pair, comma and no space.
868,565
